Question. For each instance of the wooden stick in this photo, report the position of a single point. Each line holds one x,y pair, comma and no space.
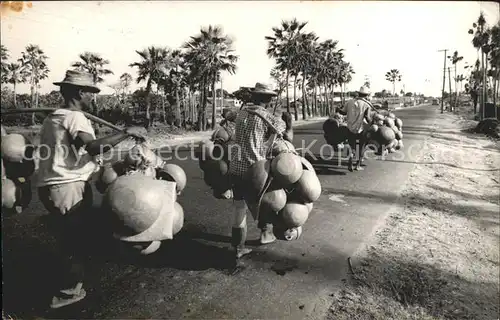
50,110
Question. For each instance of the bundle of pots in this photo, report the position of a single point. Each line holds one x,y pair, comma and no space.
335,131
213,156
18,167
140,199
282,190
386,132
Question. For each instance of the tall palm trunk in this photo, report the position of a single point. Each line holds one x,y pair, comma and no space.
327,105
342,94
483,93
214,101
315,98
304,95
163,108
33,105
456,91
201,107
177,105
287,93
295,108
15,95
36,98
221,95
148,103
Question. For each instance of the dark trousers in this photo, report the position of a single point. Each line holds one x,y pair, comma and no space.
355,139
71,231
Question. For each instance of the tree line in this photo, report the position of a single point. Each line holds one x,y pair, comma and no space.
483,83
179,84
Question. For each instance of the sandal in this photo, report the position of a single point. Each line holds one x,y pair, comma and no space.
63,299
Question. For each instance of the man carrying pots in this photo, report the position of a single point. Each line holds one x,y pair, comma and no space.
251,133
67,149
358,114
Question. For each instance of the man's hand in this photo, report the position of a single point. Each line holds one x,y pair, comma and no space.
137,133
287,117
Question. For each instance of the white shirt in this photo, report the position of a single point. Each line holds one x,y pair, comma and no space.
355,110
60,162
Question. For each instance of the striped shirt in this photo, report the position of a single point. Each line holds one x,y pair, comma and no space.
251,135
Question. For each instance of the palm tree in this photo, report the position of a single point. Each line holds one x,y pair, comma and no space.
480,42
345,76
15,74
459,79
279,78
392,76
94,64
4,54
329,69
495,60
34,61
126,81
455,58
153,65
282,47
213,51
302,63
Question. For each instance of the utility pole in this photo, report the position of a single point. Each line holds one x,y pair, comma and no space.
444,79
449,80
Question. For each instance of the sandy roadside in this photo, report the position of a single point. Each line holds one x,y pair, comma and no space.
438,257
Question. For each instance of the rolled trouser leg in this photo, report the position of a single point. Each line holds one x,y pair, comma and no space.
239,229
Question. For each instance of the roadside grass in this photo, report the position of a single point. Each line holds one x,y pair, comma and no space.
438,257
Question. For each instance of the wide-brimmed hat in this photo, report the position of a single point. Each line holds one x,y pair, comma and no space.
79,79
261,88
364,90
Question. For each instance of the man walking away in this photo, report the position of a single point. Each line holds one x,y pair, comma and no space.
67,149
358,114
251,132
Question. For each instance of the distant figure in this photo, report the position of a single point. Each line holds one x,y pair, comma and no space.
358,112
386,104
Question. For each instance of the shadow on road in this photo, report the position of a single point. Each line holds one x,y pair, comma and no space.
389,284
484,217
441,163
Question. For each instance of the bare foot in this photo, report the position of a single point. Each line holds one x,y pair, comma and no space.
267,237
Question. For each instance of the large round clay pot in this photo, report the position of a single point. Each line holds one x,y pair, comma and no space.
294,214
308,188
273,201
178,218
386,135
16,148
286,168
135,202
174,173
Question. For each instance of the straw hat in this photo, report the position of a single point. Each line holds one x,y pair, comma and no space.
364,91
79,79
261,88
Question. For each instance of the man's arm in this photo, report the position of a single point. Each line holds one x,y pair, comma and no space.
96,146
82,133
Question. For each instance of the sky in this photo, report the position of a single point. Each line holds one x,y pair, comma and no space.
376,36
